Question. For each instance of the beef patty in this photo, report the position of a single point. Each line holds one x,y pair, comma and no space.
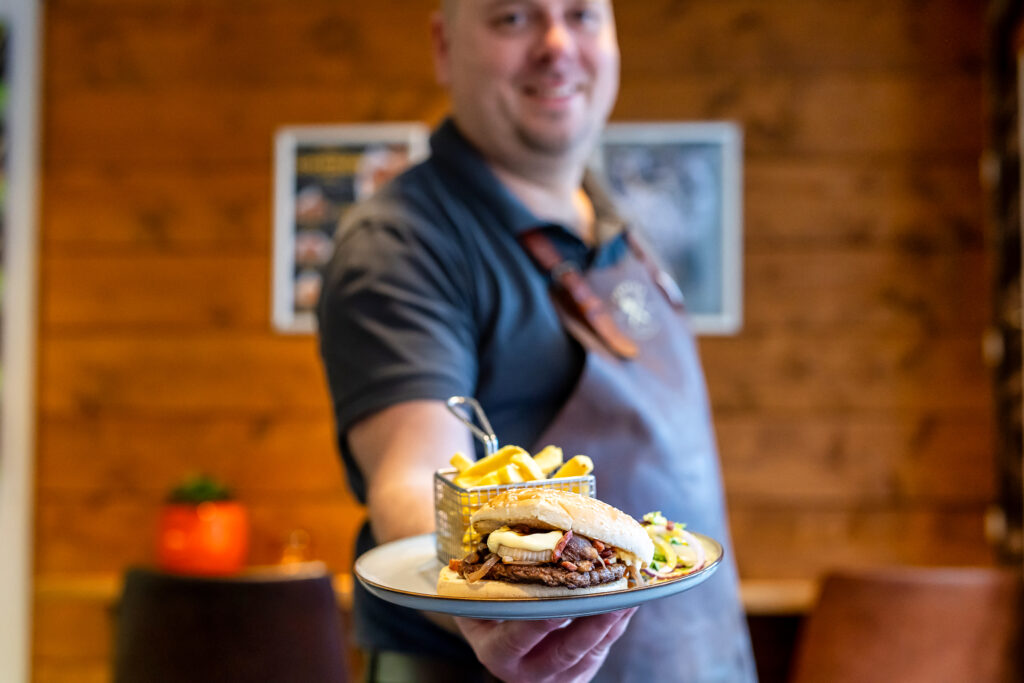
549,574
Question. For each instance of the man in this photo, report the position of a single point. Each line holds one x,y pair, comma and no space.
441,285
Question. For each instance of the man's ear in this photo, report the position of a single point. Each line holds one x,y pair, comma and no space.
441,48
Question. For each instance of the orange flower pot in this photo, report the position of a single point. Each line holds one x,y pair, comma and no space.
209,538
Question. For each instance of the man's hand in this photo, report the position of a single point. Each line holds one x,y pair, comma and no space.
547,651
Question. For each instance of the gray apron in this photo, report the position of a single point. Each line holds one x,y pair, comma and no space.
645,422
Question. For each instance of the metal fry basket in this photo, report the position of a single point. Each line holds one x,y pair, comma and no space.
453,506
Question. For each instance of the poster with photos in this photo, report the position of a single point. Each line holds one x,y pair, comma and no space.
680,185
321,171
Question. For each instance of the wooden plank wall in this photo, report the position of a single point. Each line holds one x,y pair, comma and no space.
853,410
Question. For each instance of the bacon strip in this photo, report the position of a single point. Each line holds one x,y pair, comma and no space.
560,546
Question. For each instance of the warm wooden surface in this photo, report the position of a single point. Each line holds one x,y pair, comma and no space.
853,410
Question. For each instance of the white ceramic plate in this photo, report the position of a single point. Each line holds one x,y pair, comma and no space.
405,572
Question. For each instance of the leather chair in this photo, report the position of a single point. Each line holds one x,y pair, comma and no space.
268,626
913,625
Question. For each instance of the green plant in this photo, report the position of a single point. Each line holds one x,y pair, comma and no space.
200,488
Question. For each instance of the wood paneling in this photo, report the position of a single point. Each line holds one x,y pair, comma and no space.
801,115
124,209
72,629
192,373
795,540
928,458
181,291
813,376
924,205
864,293
195,374
147,454
814,290
798,36
853,411
194,124
186,124
108,531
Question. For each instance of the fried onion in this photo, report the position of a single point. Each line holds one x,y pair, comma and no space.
480,573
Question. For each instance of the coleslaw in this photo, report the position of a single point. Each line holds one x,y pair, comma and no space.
677,552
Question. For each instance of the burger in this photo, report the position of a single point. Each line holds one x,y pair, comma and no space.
541,542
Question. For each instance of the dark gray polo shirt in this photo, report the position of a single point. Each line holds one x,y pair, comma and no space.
430,295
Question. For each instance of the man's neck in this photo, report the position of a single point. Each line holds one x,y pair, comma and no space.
558,197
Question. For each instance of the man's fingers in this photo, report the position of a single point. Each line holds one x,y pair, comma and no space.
511,639
552,649
523,636
475,627
593,658
565,648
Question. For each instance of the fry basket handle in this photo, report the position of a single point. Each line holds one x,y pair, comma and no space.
487,433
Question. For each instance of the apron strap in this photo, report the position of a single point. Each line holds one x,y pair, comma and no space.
665,282
586,303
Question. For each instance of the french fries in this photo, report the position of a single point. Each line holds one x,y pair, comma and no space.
509,465
509,474
577,466
513,465
460,462
549,459
486,466
489,479
528,467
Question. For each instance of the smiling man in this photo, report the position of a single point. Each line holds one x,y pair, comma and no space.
452,281
531,90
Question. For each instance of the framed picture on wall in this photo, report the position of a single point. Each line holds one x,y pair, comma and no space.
19,313
4,40
319,172
680,185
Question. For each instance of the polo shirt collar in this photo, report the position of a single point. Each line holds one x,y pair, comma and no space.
456,154
452,150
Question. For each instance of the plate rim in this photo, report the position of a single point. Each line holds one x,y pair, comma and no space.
522,606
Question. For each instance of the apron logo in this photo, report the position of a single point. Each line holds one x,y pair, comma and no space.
630,298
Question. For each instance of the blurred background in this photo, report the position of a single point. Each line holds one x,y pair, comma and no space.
868,410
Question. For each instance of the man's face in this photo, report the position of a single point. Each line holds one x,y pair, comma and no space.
530,77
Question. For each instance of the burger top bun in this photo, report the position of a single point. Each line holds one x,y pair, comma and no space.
544,508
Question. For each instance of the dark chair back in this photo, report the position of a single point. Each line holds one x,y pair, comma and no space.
272,626
913,625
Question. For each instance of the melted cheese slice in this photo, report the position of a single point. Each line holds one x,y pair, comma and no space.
506,537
